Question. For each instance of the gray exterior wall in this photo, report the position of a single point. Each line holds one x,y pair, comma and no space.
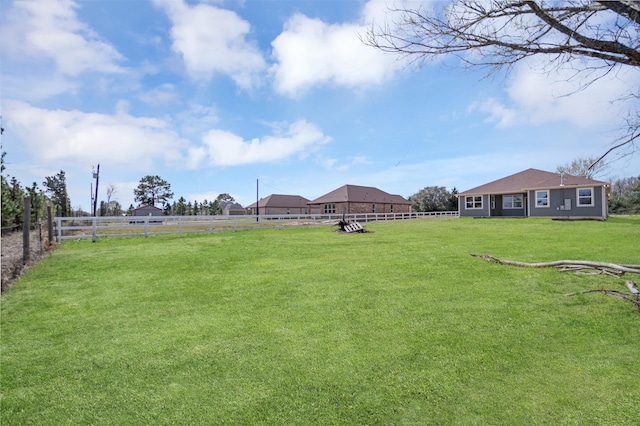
147,211
500,210
483,212
557,208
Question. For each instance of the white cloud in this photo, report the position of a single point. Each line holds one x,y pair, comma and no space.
332,164
120,139
163,94
213,40
536,98
195,120
310,52
224,148
497,112
36,86
50,30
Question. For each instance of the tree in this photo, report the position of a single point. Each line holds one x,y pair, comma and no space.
56,186
453,200
115,209
104,209
181,207
593,38
111,191
587,167
625,196
431,199
205,208
12,199
225,197
216,206
38,200
12,203
152,189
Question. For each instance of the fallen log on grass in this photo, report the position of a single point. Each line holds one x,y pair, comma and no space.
579,266
570,265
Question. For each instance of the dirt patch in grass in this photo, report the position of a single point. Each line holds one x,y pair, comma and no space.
12,255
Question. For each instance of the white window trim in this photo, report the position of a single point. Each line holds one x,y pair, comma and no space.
593,194
513,208
329,208
466,206
548,199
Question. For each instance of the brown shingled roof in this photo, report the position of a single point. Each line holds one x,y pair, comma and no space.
281,201
530,179
359,194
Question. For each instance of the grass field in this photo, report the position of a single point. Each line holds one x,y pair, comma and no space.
307,326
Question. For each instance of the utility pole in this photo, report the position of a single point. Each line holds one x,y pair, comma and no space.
96,176
257,200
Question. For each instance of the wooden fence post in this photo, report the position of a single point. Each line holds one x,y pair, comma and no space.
49,224
26,226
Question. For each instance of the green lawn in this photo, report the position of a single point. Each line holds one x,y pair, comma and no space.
307,326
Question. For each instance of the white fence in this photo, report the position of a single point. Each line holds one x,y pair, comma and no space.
121,226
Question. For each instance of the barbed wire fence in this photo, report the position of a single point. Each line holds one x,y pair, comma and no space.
26,243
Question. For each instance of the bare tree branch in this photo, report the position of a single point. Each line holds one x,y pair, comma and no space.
613,148
594,37
628,8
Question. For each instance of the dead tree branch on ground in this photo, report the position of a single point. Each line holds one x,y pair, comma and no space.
580,266
613,293
570,265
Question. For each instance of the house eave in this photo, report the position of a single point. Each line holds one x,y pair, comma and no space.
575,186
532,188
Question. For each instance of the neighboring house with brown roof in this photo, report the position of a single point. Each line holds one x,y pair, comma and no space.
536,193
351,199
279,204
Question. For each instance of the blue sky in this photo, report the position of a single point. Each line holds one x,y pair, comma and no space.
212,96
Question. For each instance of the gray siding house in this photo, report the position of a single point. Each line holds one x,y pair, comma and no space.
536,193
147,210
232,209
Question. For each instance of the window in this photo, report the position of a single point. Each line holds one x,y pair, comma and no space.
542,198
329,208
474,202
512,201
373,208
585,197
391,208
